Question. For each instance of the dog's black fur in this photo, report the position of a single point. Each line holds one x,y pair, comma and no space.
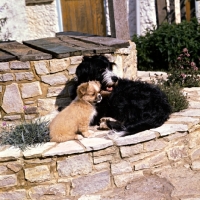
136,105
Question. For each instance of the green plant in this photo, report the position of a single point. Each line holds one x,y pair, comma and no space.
159,47
25,134
175,97
184,72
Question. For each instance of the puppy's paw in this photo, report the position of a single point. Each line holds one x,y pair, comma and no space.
88,134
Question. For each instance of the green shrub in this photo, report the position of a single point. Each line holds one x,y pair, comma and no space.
25,134
184,72
175,97
159,48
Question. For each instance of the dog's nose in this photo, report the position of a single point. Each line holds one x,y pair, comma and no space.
114,79
99,98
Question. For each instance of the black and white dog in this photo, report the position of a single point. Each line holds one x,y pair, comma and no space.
136,106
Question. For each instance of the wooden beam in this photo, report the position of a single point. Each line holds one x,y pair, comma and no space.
28,2
187,8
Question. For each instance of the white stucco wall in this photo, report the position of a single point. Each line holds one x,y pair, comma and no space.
42,20
147,15
15,27
28,22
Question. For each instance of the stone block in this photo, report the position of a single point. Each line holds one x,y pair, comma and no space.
56,191
90,184
41,67
102,166
121,168
33,152
15,167
158,159
54,79
123,179
107,151
196,165
184,180
101,159
21,76
167,129
75,60
155,145
46,106
4,66
188,113
64,148
3,169
12,117
137,138
12,101
6,77
140,156
128,151
96,143
75,165
72,69
55,91
31,89
185,120
195,153
57,65
90,197
177,152
14,195
144,164
8,153
19,65
37,174
8,180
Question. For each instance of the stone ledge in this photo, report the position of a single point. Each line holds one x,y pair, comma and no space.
176,123
182,122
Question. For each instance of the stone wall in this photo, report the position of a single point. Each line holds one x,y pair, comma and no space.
161,163
36,88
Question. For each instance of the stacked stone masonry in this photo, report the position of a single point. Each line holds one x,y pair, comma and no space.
161,163
36,88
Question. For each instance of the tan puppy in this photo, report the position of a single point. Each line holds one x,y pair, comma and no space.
76,117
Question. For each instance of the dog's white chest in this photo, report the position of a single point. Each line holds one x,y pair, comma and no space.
93,113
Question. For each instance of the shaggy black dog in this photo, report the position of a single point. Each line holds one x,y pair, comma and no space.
136,105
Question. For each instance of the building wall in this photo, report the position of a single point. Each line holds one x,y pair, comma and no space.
42,20
15,27
26,22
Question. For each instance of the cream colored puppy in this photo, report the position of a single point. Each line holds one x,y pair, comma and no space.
76,117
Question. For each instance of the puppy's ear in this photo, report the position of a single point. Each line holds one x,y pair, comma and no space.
82,89
98,83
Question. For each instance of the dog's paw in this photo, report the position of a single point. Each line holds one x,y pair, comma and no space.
104,119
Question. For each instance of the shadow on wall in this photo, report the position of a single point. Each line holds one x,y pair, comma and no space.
66,95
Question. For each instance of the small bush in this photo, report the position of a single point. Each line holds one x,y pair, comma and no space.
159,48
25,134
184,72
175,97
